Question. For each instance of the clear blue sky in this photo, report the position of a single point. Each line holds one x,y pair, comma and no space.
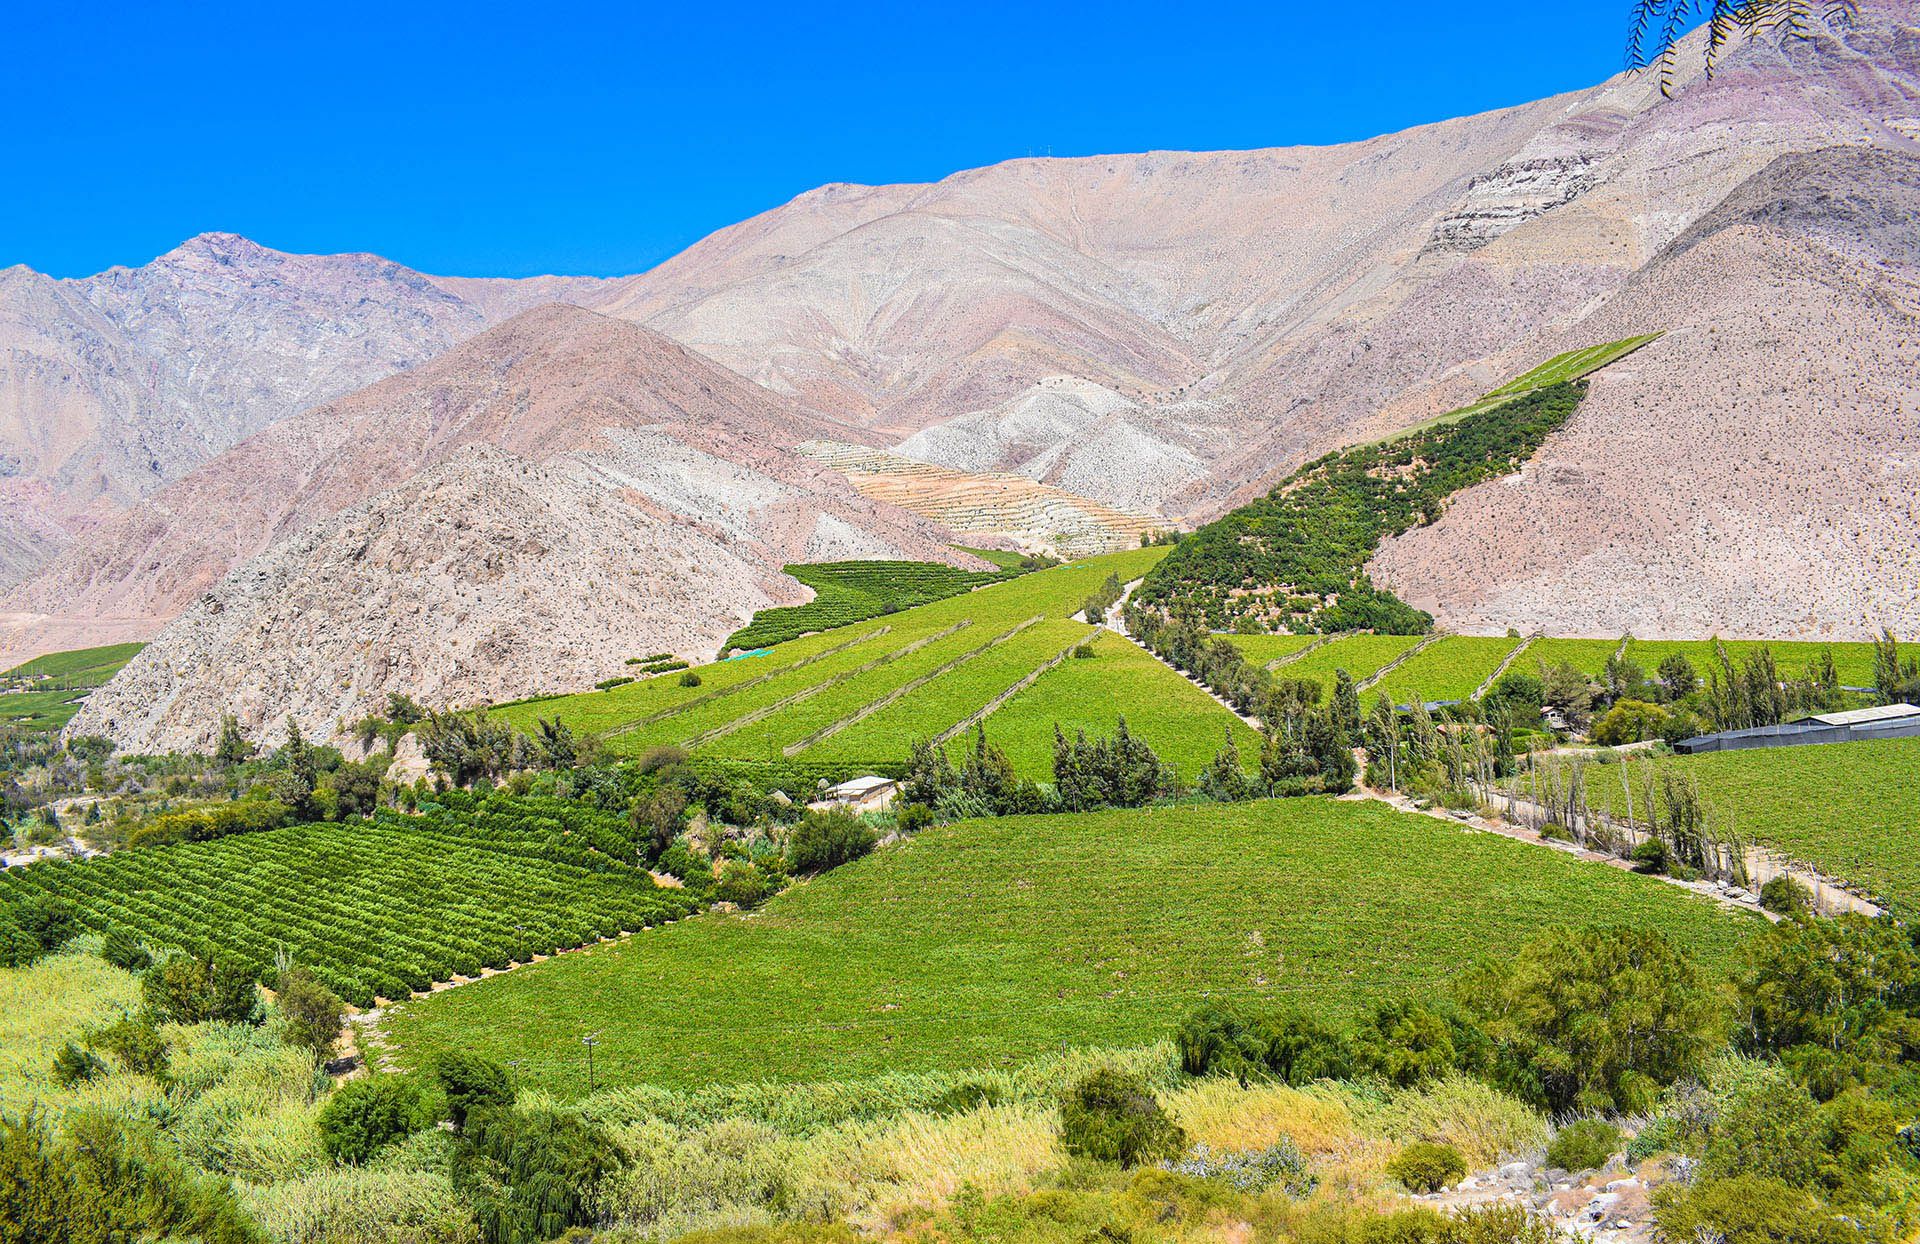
601,138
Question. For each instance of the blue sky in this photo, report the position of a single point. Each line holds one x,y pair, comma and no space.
488,139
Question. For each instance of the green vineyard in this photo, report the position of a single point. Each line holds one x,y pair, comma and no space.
383,907
849,592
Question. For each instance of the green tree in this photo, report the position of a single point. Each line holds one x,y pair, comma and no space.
310,1013
1595,1021
1112,1117
362,1117
233,748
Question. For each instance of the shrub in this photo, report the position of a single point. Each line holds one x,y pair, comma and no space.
1583,1145
188,990
310,1013
608,684
1112,1117
1749,1209
1784,896
364,1116
1426,1167
682,861
134,1042
1278,1165
73,1065
964,1098
124,951
740,884
912,818
470,1082
1650,856
824,840
689,679
1289,1045
532,1175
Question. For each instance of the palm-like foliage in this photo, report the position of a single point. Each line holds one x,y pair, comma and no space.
1653,34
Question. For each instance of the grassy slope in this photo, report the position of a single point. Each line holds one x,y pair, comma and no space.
1261,649
949,697
849,592
1359,655
994,941
1586,655
57,682
1177,719
1853,660
1450,669
1849,809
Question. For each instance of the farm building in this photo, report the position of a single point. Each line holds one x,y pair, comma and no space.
862,794
1888,721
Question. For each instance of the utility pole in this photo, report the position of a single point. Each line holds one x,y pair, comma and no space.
590,1041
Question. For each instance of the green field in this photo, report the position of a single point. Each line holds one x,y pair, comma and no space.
1853,660
1262,649
374,907
1849,809
849,592
1359,655
1449,669
1589,656
989,942
864,694
1178,720
1572,365
45,693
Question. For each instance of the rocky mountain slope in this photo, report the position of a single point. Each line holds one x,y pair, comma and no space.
668,442
1754,472
114,385
1180,330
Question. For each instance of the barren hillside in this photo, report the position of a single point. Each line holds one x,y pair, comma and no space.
1753,472
114,385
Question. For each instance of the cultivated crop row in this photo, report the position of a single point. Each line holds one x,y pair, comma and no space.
1449,669
384,907
1177,719
890,733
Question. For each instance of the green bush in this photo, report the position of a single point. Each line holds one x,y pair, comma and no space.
470,1082
740,884
824,840
1583,1145
363,1117
1784,896
73,1065
124,951
689,679
1289,1045
1427,1167
134,1043
1650,857
1112,1117
1750,1209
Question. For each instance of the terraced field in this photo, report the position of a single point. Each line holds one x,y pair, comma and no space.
989,942
849,592
864,694
1451,668
1176,719
1262,649
1359,655
1572,365
1853,660
1848,809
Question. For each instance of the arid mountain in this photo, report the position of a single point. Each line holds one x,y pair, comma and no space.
114,385
609,406
1180,330
1756,471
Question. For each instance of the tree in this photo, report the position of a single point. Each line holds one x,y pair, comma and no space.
364,1116
1595,1021
1346,703
310,1013
1677,676
470,1083
1565,689
555,742
294,784
233,748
